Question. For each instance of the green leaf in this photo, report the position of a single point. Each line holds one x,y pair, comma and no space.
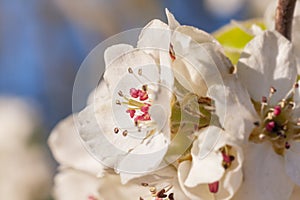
235,36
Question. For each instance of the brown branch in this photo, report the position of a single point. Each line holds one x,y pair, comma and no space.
284,17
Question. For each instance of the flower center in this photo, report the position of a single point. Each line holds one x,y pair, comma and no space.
277,123
137,102
162,194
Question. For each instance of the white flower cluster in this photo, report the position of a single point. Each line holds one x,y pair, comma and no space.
25,170
174,119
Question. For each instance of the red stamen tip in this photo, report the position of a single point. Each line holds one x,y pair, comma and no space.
145,109
134,93
91,197
277,110
270,126
214,187
287,145
143,95
131,113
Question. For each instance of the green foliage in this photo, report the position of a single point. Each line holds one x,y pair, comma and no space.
235,36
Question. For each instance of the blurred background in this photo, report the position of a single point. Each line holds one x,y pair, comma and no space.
43,43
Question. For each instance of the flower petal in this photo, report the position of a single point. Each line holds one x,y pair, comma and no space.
144,158
155,37
264,176
69,151
267,61
198,59
229,98
140,187
173,23
134,59
75,185
196,193
207,159
114,52
292,162
99,136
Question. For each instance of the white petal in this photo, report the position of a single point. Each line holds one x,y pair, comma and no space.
114,52
101,92
196,193
96,127
296,37
292,162
197,35
267,61
155,37
229,98
207,159
198,59
264,176
117,70
296,111
173,23
75,185
143,159
68,150
111,187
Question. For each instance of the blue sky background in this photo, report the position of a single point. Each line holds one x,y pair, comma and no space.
41,48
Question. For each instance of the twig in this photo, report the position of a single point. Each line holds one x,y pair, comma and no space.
284,17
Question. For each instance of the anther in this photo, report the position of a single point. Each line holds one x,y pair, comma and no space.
120,93
116,130
262,136
270,126
277,110
161,194
145,87
272,90
256,123
214,187
118,102
152,190
144,184
125,133
140,72
130,70
171,196
90,197
296,85
264,99
287,145
171,52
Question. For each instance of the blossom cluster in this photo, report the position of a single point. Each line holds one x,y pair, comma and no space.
173,118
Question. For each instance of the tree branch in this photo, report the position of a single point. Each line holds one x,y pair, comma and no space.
284,17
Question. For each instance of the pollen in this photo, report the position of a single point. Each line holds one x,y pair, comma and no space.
277,124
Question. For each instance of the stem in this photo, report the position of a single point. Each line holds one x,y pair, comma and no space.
284,17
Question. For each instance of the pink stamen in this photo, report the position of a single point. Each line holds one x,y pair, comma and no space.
143,117
145,109
143,95
131,113
264,99
277,110
214,187
226,158
270,126
287,145
91,197
134,93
